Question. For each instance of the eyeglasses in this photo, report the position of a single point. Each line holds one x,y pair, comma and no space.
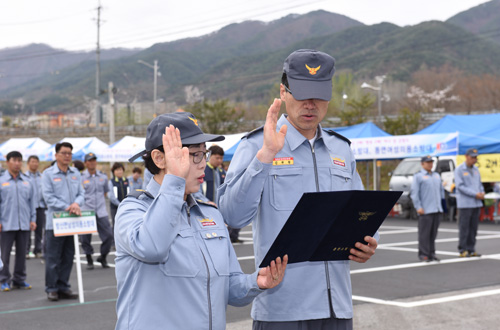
288,89
65,153
199,156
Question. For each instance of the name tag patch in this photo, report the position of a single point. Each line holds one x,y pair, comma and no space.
5,184
57,179
339,162
283,161
207,222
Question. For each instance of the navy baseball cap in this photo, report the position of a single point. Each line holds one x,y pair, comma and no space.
186,123
309,73
471,152
90,156
427,159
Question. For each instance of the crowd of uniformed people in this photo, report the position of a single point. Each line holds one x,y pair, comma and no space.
175,264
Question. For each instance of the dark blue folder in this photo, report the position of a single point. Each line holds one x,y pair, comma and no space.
326,225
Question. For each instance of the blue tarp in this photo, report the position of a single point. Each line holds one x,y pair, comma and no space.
474,131
364,130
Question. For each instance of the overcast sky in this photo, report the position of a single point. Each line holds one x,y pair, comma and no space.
71,24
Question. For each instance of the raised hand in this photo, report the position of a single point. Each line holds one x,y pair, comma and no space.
273,141
273,274
176,157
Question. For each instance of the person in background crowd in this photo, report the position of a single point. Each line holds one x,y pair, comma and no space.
17,218
170,245
119,188
62,191
79,165
470,193
135,179
427,192
271,169
36,180
96,188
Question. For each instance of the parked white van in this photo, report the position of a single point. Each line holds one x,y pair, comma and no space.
402,177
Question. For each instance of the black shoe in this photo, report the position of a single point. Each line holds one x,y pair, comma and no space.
474,254
102,260
90,262
52,296
425,259
68,295
236,240
436,259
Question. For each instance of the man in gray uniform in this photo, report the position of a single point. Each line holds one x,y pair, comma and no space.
271,169
96,187
470,193
426,193
17,218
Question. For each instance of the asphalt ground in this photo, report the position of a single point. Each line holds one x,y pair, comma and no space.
392,291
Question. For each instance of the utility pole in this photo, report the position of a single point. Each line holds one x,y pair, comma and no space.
155,68
111,113
98,69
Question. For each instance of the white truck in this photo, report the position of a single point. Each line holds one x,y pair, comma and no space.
402,177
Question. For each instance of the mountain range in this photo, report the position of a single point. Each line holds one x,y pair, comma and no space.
243,61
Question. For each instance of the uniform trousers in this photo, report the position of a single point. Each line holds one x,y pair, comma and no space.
427,232
40,228
7,239
59,255
320,324
468,221
104,231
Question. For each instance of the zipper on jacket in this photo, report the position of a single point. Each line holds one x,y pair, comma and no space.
327,271
17,201
208,278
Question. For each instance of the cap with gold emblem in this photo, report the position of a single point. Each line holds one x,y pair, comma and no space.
186,123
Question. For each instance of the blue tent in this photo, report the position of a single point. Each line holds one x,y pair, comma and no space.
475,131
364,130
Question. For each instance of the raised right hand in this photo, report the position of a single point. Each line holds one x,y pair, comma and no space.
273,141
176,157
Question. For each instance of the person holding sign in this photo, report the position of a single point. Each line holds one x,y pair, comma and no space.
271,169
17,218
175,265
62,191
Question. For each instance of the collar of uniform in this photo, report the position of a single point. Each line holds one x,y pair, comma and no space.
153,187
58,170
425,172
210,165
19,176
31,174
294,137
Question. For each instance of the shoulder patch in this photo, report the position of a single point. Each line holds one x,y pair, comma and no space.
258,129
199,201
138,192
331,132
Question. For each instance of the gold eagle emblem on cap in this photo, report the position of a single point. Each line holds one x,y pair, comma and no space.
312,71
195,121
363,216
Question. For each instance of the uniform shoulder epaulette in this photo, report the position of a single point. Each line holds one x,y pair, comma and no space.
138,192
199,201
331,132
258,129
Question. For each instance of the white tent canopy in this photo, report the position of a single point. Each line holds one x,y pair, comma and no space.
81,146
122,150
26,146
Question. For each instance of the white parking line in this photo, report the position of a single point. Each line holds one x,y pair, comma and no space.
428,301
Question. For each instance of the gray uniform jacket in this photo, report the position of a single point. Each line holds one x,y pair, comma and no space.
175,265
266,194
